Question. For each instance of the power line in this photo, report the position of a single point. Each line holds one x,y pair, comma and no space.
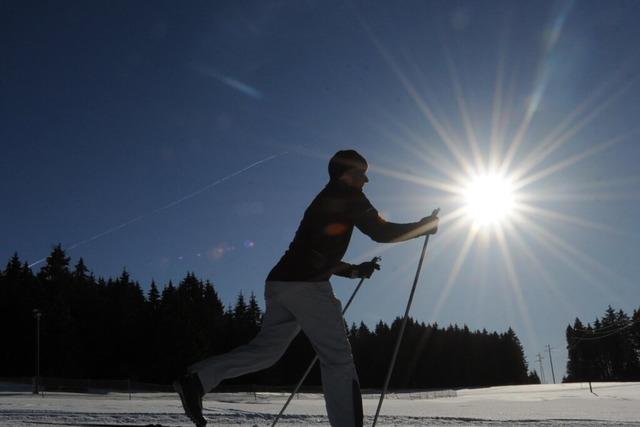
604,329
599,337
594,336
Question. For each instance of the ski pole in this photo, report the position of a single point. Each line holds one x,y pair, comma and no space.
404,324
315,359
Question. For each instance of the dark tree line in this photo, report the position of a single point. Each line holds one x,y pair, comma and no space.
431,356
110,329
608,350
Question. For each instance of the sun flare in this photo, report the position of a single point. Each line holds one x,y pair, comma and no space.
489,199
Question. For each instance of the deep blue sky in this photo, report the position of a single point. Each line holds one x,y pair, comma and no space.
111,111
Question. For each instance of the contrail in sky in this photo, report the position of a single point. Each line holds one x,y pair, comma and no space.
169,205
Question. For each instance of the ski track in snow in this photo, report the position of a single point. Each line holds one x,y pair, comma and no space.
141,420
617,404
50,418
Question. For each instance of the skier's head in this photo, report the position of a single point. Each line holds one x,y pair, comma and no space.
349,167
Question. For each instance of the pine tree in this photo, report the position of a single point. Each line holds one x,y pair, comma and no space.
154,297
168,294
167,336
577,368
243,328
57,265
124,280
81,272
212,302
18,298
240,309
635,334
254,313
605,352
13,270
533,378
215,323
514,364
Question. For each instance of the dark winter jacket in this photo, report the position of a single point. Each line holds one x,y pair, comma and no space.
325,231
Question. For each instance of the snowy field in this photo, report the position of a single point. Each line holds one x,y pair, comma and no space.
613,404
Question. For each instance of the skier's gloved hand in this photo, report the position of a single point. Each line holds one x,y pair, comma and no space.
365,270
429,224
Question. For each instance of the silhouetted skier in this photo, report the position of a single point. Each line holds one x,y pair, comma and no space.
298,295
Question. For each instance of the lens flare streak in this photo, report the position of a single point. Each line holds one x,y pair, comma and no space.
541,271
455,271
514,281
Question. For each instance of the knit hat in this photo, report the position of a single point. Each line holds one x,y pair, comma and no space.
345,160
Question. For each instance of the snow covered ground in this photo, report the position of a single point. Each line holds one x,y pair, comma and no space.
614,404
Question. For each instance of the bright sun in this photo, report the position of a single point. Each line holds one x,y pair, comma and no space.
488,199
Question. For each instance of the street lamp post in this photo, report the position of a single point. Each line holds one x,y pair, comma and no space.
37,314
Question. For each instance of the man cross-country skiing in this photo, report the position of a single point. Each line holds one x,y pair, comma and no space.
298,295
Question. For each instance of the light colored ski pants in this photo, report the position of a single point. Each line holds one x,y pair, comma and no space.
291,306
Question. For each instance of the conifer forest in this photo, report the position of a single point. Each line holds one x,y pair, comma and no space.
110,328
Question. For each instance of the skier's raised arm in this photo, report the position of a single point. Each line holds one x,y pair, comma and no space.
373,225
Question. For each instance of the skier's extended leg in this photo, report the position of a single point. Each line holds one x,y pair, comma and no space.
279,328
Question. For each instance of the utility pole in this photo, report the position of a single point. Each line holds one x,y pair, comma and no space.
553,375
37,314
539,358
